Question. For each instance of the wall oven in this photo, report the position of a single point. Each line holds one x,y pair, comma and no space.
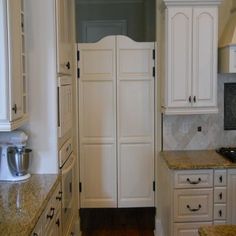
67,166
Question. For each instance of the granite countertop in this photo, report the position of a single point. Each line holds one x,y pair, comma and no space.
218,230
22,203
204,159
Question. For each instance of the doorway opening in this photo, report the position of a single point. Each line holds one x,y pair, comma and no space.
96,19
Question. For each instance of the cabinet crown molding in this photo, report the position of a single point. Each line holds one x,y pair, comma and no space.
192,2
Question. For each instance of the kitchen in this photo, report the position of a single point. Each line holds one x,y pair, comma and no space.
180,132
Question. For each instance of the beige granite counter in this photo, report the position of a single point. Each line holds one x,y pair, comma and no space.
204,159
21,203
218,230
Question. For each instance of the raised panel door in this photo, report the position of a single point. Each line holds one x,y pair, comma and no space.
179,54
15,59
135,123
205,36
97,122
64,23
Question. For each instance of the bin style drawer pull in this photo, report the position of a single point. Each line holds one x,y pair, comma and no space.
194,182
194,209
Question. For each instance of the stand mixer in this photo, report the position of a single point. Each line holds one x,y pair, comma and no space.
14,157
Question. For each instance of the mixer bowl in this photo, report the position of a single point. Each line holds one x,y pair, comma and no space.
18,160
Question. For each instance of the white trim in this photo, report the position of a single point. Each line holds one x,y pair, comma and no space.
192,2
108,2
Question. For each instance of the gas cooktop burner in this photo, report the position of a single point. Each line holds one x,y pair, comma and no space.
229,153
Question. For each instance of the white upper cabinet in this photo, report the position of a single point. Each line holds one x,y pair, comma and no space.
190,83
13,84
64,36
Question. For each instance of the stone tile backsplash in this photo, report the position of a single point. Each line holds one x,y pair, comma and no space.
180,132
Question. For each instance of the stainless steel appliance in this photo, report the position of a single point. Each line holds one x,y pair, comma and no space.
14,156
229,153
67,166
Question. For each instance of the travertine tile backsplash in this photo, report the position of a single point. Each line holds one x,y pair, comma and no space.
180,132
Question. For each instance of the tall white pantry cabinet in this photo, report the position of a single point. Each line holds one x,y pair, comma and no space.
50,30
13,77
190,70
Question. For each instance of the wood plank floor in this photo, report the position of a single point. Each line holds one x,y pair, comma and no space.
119,232
118,222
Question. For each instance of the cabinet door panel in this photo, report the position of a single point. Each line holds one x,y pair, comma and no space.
135,123
179,54
64,22
15,60
205,56
97,122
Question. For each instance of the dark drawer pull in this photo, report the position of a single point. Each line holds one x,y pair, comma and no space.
220,196
194,182
58,222
220,213
194,209
221,179
52,213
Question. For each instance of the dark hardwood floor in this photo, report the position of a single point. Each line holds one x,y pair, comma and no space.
118,222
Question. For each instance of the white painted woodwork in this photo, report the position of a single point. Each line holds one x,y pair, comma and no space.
135,123
179,54
205,31
116,94
97,122
227,59
64,9
188,229
198,178
231,212
11,68
190,85
64,105
219,211
212,203
201,199
220,177
220,194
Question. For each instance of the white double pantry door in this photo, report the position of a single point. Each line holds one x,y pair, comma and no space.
116,123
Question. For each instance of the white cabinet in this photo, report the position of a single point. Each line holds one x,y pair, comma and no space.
231,214
49,222
64,16
13,81
190,85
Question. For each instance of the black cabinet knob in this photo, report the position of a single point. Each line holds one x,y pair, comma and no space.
68,65
14,108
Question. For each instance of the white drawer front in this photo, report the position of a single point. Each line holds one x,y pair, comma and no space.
194,179
220,195
220,178
219,211
193,205
188,229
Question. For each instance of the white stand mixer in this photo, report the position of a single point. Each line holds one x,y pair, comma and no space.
10,141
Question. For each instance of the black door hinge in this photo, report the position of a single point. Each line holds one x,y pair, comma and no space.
153,54
153,71
154,186
80,187
78,73
78,55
